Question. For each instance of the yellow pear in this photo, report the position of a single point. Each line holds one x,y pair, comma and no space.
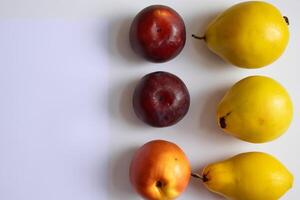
256,109
248,176
251,34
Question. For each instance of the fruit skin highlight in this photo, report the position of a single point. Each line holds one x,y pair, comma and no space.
248,176
256,109
161,99
159,170
157,33
250,34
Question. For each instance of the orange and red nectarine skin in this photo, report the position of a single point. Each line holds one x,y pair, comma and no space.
159,170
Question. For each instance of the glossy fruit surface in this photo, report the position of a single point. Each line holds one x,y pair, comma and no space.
250,34
161,99
256,109
249,176
159,170
157,33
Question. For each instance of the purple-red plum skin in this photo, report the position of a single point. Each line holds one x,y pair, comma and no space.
157,33
161,99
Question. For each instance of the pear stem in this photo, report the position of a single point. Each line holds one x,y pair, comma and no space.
198,176
198,37
195,175
286,20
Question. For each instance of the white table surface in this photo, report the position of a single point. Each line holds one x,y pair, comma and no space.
67,73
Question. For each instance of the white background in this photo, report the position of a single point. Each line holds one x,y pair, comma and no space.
67,73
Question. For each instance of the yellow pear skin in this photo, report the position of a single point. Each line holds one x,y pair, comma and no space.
248,176
251,34
256,109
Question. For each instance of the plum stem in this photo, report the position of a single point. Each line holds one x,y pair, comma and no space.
286,20
198,37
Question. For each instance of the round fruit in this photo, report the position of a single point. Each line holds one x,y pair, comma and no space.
159,170
256,109
157,33
161,99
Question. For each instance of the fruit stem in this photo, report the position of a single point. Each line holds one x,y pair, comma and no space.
199,38
195,175
286,20
198,176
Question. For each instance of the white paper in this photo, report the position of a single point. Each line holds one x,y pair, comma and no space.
54,124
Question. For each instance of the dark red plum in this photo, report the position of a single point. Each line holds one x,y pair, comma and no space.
161,99
157,33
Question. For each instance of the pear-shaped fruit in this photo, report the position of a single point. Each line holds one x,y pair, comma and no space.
251,34
256,109
248,176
